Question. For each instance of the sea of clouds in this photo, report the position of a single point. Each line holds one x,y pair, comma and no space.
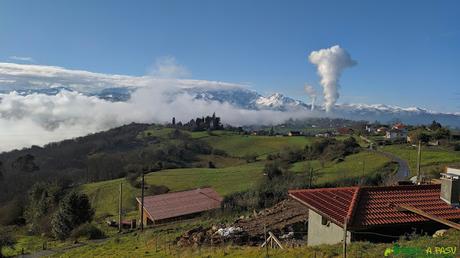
37,119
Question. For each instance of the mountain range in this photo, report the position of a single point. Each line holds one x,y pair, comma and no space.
244,98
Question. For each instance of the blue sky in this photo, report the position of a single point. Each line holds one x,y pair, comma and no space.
408,52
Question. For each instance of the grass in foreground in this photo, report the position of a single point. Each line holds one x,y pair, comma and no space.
154,243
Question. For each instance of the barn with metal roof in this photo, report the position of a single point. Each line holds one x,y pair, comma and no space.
179,205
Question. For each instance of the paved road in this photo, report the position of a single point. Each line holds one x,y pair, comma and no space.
403,170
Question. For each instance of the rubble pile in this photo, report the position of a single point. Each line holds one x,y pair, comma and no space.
286,219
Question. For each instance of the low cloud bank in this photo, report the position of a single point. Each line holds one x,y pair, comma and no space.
37,119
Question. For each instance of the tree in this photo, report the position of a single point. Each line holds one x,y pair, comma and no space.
5,240
42,201
272,131
1,171
25,164
74,210
441,133
435,126
273,170
419,135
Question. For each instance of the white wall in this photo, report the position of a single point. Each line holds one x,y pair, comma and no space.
323,234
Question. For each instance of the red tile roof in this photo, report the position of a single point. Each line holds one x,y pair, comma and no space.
376,206
170,205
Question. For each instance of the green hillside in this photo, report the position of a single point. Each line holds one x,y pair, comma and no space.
240,145
104,195
352,166
430,155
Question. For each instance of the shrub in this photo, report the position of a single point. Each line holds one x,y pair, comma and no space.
250,157
219,152
457,147
291,155
156,189
272,169
74,210
6,239
88,231
211,164
11,213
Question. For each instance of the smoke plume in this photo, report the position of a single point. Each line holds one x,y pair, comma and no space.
330,63
311,92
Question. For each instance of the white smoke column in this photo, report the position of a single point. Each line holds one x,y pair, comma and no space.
330,63
311,92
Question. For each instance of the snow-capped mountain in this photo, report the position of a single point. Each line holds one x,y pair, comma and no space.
280,102
248,99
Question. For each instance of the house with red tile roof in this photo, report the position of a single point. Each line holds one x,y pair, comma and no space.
373,213
178,205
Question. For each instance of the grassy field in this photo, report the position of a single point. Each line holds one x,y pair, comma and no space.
430,155
223,180
354,165
240,145
104,195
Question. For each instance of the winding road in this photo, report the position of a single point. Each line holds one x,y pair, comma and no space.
403,170
403,165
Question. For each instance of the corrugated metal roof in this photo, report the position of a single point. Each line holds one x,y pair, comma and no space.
375,206
176,204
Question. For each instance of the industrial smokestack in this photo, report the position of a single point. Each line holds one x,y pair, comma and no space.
330,63
311,92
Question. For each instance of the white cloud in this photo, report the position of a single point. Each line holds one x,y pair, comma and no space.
167,67
39,118
22,59
21,76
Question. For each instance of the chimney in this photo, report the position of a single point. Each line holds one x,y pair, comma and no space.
450,186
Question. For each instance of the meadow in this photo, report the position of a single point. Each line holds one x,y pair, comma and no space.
360,164
240,145
104,197
430,156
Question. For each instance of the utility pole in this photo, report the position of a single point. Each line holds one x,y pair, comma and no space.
419,157
344,247
120,200
142,202
311,177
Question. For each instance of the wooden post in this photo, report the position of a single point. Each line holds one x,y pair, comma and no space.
120,200
266,244
311,178
344,251
419,157
142,202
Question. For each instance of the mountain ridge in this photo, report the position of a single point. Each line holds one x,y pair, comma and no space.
249,99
